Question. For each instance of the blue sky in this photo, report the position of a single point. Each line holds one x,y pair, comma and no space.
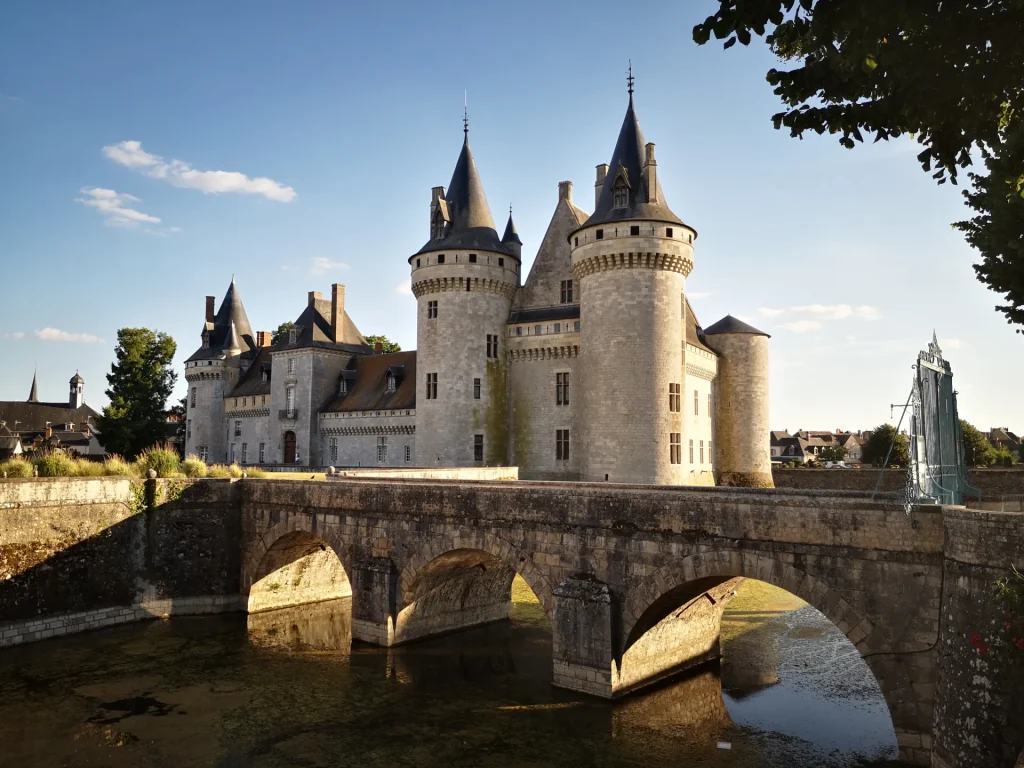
330,123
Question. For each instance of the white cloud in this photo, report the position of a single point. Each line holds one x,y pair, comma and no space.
801,326
404,288
825,311
950,344
15,335
321,266
55,334
769,312
114,207
180,174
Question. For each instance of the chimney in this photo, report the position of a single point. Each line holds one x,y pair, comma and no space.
338,312
49,431
263,338
651,174
378,348
602,173
565,191
313,296
83,427
211,302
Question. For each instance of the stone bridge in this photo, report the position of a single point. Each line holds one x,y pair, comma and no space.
633,579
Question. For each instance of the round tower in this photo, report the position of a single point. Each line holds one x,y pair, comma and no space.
743,450
631,258
464,279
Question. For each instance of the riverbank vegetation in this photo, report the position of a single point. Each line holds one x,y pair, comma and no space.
163,459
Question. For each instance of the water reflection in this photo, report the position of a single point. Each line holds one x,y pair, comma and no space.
287,687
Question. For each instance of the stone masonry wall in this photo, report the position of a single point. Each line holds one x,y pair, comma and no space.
991,482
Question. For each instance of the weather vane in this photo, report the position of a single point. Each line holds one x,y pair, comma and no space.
629,78
465,112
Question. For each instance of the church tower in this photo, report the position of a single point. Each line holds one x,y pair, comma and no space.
464,279
631,258
76,392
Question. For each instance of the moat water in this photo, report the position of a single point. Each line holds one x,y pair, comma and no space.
287,688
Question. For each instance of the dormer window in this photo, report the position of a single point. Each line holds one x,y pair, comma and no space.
265,377
292,334
620,194
206,339
391,382
343,387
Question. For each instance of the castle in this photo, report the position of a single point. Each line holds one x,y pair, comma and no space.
595,368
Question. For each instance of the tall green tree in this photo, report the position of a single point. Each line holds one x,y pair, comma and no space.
978,451
875,449
140,382
280,336
950,74
833,453
386,344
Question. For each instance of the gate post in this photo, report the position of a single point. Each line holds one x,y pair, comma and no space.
374,601
582,638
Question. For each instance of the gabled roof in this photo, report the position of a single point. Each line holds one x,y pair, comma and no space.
231,315
29,417
314,330
252,382
730,324
470,225
693,331
553,261
368,391
627,162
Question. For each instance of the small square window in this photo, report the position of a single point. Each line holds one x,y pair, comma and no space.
536,330
501,262
668,231
440,258
472,258
634,231
576,325
558,327
519,330
599,234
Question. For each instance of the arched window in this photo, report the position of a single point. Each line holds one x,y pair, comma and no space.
620,193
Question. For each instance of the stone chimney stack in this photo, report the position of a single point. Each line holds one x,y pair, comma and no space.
602,173
378,348
211,303
565,191
313,296
651,174
338,312
263,338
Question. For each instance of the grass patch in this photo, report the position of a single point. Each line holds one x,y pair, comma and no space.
162,458
16,467
193,466
115,465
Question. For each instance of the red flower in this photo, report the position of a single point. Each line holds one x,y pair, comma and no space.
1019,642
979,644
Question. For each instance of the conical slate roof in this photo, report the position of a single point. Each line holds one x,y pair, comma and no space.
33,396
470,224
230,320
629,155
730,324
511,236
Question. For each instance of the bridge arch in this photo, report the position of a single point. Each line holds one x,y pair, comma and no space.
294,563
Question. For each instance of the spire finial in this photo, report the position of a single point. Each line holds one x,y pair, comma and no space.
465,113
629,80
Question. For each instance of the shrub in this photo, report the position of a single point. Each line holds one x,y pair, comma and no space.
115,465
55,464
86,468
218,470
235,471
16,467
193,466
163,458
256,472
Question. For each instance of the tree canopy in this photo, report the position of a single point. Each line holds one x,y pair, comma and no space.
833,453
950,75
140,382
978,451
280,336
386,344
877,446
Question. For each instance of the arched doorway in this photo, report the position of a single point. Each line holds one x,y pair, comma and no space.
289,447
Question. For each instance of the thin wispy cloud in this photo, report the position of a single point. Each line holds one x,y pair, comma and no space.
181,174
801,326
404,288
115,207
55,334
14,335
825,311
322,266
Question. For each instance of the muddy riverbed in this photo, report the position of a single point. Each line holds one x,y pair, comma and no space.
287,688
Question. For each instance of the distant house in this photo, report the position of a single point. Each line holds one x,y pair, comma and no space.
70,425
10,443
1003,438
808,445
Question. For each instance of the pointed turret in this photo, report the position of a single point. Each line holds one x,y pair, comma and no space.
461,217
511,237
230,319
232,346
33,396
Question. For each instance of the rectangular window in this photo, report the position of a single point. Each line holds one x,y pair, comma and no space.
561,444
440,258
245,453
561,389
634,231
204,452
558,327
478,447
238,429
472,258
417,263
519,330
675,448
701,451
431,386
492,345
263,455
264,400
188,429
711,456
675,398
476,389
599,234
291,365
431,310
576,326
192,404
501,262
691,451
333,450
536,330
696,403
668,231
289,399
709,405
567,291
382,450
232,453
408,454
576,242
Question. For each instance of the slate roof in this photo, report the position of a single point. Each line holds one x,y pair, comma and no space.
252,382
367,390
33,416
693,329
230,326
315,331
629,156
33,395
552,263
539,314
730,324
470,224
511,235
